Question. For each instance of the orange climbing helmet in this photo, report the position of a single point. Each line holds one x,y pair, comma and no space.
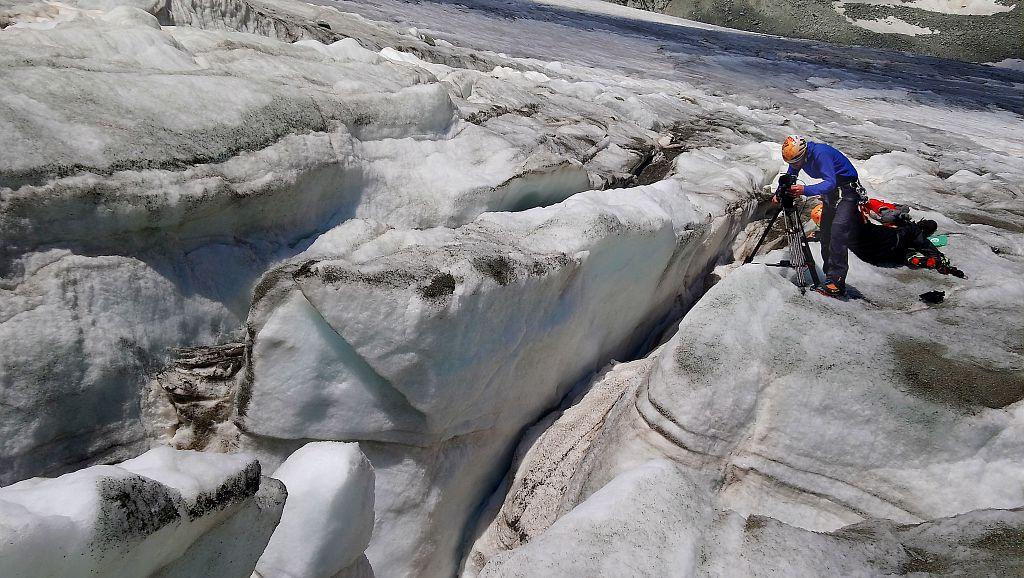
794,149
816,213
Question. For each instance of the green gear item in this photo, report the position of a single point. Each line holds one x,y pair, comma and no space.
939,240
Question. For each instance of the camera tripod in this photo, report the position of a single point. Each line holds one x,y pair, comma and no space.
800,257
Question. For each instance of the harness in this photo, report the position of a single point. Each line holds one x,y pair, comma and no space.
851,187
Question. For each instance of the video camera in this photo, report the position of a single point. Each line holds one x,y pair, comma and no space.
800,257
786,181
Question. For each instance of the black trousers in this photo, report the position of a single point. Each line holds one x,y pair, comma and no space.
840,218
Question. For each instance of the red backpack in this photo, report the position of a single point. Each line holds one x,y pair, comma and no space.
884,213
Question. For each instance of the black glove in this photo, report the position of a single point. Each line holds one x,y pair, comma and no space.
946,268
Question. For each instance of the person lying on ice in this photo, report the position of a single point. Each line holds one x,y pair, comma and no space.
840,191
897,240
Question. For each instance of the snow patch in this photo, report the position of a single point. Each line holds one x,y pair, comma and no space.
622,11
1010,63
962,7
892,25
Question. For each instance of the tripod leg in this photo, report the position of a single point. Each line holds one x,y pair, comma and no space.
804,248
794,235
763,236
809,259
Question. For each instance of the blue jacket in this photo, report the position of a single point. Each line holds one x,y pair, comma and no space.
825,163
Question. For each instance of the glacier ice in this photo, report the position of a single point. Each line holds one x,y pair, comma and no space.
438,346
155,182
328,518
762,427
269,225
165,513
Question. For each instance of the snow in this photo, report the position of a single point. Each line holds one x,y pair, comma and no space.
328,517
620,11
892,25
158,514
965,7
1010,63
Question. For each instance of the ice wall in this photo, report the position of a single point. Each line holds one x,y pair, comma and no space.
435,348
151,175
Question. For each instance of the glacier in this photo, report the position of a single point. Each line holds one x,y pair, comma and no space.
386,249
739,443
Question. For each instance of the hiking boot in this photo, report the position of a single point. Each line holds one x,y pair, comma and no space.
831,288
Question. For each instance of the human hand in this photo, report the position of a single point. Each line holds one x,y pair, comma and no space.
796,190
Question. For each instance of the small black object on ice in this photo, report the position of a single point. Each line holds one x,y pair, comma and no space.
933,296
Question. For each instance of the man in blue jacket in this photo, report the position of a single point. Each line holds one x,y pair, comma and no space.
841,192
